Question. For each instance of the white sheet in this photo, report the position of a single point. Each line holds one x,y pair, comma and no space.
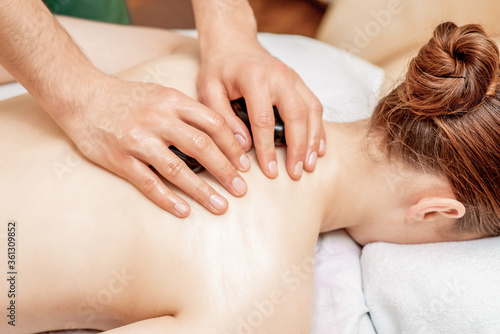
339,303
10,90
348,88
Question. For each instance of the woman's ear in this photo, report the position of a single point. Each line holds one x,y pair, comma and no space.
434,208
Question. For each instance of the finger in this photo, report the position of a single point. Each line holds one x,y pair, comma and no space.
261,115
217,99
200,146
322,143
294,115
315,130
173,169
213,124
150,184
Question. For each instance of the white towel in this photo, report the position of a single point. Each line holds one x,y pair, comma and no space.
451,287
339,304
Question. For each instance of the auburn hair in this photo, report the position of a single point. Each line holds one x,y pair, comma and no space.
445,118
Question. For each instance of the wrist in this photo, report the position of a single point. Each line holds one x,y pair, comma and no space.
224,24
70,94
228,40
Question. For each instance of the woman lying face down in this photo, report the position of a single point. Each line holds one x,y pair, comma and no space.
444,120
94,253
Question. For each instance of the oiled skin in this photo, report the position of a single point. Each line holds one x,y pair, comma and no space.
93,252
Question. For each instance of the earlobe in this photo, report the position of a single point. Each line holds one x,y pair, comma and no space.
432,208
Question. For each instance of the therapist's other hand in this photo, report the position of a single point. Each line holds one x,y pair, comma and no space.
247,69
128,126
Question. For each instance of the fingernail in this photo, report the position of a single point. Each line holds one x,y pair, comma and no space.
311,160
217,202
239,185
322,146
298,168
273,167
244,162
240,140
181,208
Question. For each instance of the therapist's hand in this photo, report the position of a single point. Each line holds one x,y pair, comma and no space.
122,126
128,126
246,69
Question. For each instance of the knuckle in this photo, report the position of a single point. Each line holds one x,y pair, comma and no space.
228,170
200,192
201,142
162,201
90,149
316,108
296,112
133,138
210,85
208,90
172,97
122,162
263,120
218,122
314,140
225,174
149,185
282,68
173,168
299,147
235,147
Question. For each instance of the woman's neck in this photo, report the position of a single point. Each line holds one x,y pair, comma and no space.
354,181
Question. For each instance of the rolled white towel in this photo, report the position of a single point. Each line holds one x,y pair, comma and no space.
451,287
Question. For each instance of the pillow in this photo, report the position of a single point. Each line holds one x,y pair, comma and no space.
347,86
450,287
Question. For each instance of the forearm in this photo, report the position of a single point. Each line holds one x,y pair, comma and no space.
38,53
221,23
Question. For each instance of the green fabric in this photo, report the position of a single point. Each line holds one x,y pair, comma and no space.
113,11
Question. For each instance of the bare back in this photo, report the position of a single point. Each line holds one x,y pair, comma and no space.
93,252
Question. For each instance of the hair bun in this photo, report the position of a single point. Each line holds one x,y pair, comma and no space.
453,72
